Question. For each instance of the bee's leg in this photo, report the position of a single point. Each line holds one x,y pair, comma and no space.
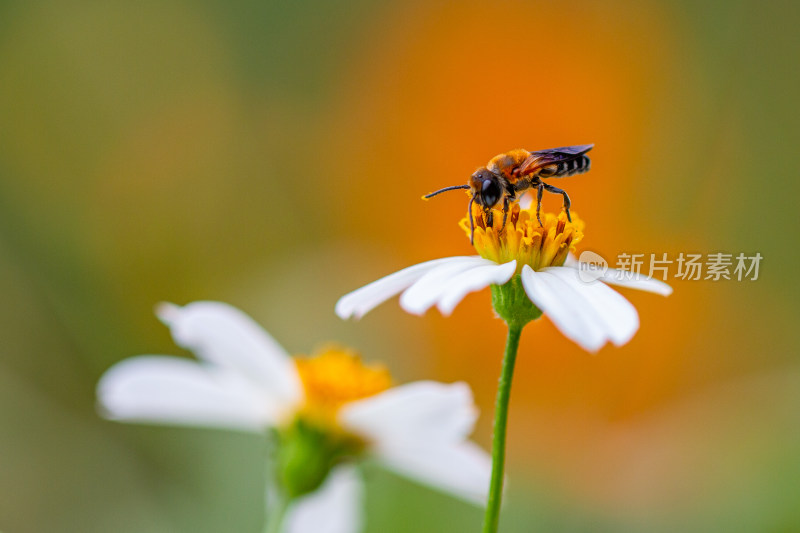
556,190
505,210
471,222
489,218
539,192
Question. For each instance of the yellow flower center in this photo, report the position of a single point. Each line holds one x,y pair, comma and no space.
523,239
335,376
313,442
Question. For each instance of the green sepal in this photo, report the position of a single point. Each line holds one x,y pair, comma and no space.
512,304
306,452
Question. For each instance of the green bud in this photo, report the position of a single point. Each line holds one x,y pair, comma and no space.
306,453
511,303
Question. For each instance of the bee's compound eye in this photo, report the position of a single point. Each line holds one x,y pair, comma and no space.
490,192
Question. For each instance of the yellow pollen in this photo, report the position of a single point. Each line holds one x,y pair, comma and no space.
335,376
523,238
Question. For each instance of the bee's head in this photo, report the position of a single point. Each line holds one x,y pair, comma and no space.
486,188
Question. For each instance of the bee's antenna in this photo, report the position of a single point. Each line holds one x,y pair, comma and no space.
431,195
471,223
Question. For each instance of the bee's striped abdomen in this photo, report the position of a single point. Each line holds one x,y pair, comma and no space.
579,165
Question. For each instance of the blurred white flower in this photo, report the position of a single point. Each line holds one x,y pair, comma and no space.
245,381
586,311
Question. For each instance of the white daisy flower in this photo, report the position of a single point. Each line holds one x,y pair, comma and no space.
537,260
245,381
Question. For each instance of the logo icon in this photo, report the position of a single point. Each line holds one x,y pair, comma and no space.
591,266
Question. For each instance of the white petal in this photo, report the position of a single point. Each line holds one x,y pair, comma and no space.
361,301
631,280
625,278
525,201
170,390
571,261
418,430
617,314
474,280
223,335
462,469
335,507
418,413
567,308
425,292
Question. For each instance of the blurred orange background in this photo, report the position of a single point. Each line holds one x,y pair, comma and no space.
273,156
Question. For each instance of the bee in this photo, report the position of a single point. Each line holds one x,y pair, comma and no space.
511,174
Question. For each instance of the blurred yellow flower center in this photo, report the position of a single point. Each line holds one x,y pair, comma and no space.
335,376
523,238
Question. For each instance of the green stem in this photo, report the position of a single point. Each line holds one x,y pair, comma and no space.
492,517
277,513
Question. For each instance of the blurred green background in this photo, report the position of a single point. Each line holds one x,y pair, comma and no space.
272,155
